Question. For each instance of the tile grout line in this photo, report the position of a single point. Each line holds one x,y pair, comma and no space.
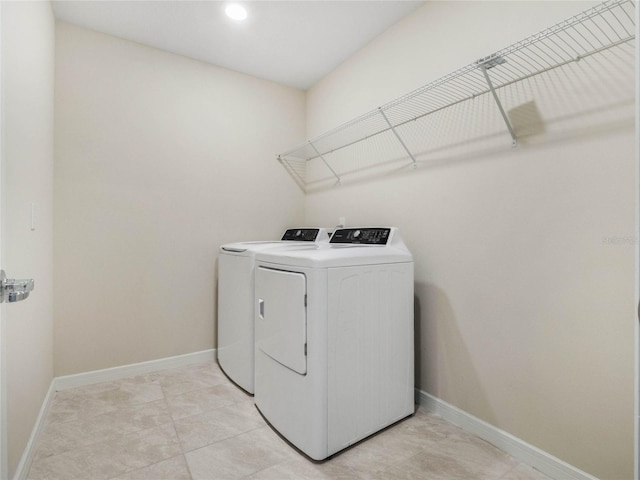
118,408
175,429
145,379
168,408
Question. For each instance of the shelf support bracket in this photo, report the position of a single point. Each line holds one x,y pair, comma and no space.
406,149
485,64
325,162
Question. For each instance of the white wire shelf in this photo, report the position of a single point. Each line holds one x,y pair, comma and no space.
384,134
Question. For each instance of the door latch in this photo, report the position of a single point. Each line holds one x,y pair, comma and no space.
14,290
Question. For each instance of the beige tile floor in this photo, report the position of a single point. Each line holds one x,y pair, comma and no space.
192,423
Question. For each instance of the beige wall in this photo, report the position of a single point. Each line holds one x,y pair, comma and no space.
524,286
159,160
28,74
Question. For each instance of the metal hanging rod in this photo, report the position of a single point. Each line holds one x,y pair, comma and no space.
601,28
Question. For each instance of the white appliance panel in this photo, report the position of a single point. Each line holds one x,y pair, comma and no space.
359,333
235,305
236,331
296,405
282,318
370,350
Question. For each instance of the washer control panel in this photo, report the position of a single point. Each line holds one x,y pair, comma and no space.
301,234
362,236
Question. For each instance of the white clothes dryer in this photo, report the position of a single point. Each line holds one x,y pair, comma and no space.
334,357
235,301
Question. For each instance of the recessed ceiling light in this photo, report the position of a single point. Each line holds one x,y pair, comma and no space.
236,12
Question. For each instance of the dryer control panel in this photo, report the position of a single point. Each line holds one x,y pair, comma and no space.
362,236
301,234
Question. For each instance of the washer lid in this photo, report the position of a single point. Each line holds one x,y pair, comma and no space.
342,254
291,237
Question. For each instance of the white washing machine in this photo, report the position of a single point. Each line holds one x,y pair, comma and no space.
334,359
235,300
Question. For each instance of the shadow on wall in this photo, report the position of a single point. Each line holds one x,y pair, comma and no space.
444,365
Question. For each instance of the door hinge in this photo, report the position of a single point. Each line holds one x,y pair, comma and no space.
305,300
305,349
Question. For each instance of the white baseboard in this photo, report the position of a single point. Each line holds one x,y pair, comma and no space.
519,449
98,376
116,373
27,456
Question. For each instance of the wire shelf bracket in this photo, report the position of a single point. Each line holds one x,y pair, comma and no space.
397,135
485,64
325,162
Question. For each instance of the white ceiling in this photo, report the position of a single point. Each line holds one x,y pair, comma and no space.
291,42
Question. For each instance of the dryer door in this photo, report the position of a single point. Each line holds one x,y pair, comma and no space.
281,317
